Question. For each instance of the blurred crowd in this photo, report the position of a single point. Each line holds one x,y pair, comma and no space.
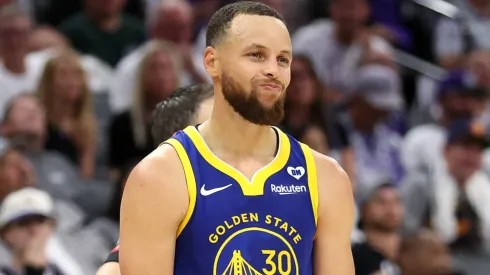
395,90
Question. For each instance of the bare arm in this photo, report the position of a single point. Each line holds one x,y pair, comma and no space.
348,159
111,268
333,255
155,201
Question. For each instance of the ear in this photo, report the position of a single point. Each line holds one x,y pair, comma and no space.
211,62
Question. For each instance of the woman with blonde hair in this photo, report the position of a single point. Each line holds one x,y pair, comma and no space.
158,76
64,92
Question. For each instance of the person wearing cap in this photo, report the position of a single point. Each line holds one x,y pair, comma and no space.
458,97
26,225
375,145
380,217
455,199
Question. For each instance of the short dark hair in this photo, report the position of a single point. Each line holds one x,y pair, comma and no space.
178,111
221,20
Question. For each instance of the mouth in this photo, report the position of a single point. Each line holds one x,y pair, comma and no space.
271,87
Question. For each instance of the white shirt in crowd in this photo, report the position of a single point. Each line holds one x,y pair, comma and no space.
99,76
449,34
334,63
126,73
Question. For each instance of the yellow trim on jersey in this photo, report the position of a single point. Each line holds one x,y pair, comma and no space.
190,180
254,187
312,179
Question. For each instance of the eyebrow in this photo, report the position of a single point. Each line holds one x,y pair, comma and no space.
259,46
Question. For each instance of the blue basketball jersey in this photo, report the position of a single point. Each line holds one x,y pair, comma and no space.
234,225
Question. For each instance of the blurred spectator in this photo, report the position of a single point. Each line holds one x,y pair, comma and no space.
19,71
304,118
458,97
308,121
24,125
338,47
63,89
72,248
424,254
158,76
478,67
170,21
74,245
467,32
46,37
455,198
15,171
103,31
381,215
26,224
376,146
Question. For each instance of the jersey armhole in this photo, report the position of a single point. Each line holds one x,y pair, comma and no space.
190,181
312,179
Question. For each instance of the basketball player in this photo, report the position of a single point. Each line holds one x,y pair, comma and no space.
234,195
188,105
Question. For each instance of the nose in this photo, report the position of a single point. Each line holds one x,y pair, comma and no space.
271,68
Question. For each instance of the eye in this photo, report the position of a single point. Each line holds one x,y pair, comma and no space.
283,60
257,55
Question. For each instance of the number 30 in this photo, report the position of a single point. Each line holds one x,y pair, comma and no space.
276,263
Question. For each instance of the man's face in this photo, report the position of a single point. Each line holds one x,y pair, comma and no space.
364,115
160,77
463,158
19,234
384,211
252,65
174,24
460,105
15,173
14,34
26,116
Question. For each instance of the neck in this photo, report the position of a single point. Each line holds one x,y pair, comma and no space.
385,242
226,131
108,23
14,62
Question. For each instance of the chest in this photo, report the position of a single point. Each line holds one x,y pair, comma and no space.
248,166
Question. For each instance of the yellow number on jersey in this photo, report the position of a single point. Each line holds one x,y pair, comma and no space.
277,263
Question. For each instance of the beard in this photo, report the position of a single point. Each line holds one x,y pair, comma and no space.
248,104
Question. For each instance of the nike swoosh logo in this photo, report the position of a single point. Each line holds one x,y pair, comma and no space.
205,192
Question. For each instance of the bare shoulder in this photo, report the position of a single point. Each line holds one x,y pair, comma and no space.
334,187
158,179
329,170
155,201
163,159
